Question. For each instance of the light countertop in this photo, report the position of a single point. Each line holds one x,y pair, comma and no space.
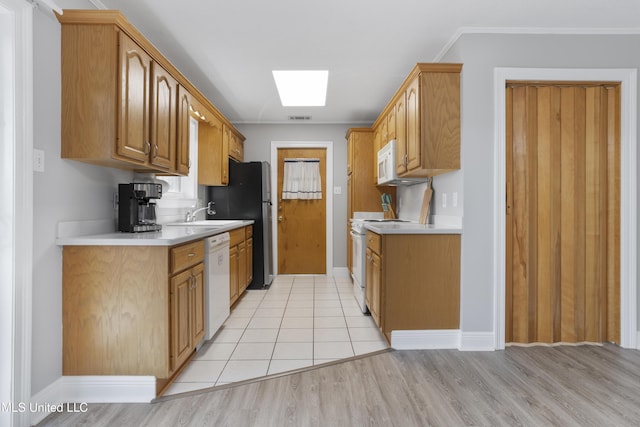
168,236
412,228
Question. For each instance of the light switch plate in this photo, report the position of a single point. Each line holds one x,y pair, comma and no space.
337,190
444,200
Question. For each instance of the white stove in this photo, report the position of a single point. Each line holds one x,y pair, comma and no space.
359,252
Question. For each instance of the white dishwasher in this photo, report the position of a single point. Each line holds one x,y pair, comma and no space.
217,270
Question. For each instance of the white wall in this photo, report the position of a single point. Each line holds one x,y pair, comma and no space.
258,148
66,191
480,54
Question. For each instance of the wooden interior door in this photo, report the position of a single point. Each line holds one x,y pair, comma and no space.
302,242
563,212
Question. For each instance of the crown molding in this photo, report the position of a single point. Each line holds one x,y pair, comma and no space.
532,31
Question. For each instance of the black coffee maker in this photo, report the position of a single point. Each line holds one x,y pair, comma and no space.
137,207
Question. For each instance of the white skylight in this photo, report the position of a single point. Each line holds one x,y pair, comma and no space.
302,88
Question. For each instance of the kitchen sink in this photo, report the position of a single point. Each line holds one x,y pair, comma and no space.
207,223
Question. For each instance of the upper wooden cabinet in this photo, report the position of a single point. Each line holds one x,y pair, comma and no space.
183,161
235,144
213,166
424,118
123,103
363,193
133,108
163,118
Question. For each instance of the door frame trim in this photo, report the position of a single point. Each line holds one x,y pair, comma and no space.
19,306
628,188
328,145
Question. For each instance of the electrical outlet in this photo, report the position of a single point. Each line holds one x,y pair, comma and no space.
337,190
444,200
38,160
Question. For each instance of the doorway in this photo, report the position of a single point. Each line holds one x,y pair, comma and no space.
302,245
563,212
327,194
628,188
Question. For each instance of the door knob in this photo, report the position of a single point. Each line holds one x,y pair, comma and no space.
280,218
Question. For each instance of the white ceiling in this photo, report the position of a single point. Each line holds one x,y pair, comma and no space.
228,48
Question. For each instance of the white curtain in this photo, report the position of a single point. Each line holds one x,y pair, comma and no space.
302,179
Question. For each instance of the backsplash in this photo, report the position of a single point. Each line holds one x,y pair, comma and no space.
172,210
410,198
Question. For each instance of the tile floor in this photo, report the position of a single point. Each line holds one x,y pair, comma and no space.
299,321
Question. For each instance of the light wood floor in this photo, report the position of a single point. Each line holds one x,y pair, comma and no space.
537,386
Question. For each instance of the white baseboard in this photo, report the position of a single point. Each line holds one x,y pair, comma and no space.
477,341
425,340
91,389
341,272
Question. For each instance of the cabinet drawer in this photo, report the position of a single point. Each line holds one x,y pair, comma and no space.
374,241
186,255
236,236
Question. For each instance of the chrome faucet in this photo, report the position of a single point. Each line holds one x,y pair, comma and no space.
191,216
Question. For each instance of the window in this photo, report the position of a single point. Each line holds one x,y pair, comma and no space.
182,191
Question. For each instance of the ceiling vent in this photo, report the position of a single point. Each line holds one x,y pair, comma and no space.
299,118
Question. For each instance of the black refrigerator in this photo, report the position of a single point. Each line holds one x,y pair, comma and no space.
248,196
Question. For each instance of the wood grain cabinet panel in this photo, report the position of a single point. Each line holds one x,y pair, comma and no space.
133,134
163,119
132,310
183,162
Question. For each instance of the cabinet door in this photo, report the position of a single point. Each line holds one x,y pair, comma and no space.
233,274
414,146
401,131
368,290
350,151
163,118
376,275
249,260
197,304
236,147
182,142
391,124
133,131
242,267
377,145
180,296
211,153
372,289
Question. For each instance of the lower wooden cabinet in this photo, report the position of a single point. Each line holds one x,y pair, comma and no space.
372,290
132,310
187,312
413,281
240,261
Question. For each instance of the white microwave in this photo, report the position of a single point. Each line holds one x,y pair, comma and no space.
387,174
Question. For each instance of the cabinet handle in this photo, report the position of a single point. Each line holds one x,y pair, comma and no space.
147,147
191,254
155,150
